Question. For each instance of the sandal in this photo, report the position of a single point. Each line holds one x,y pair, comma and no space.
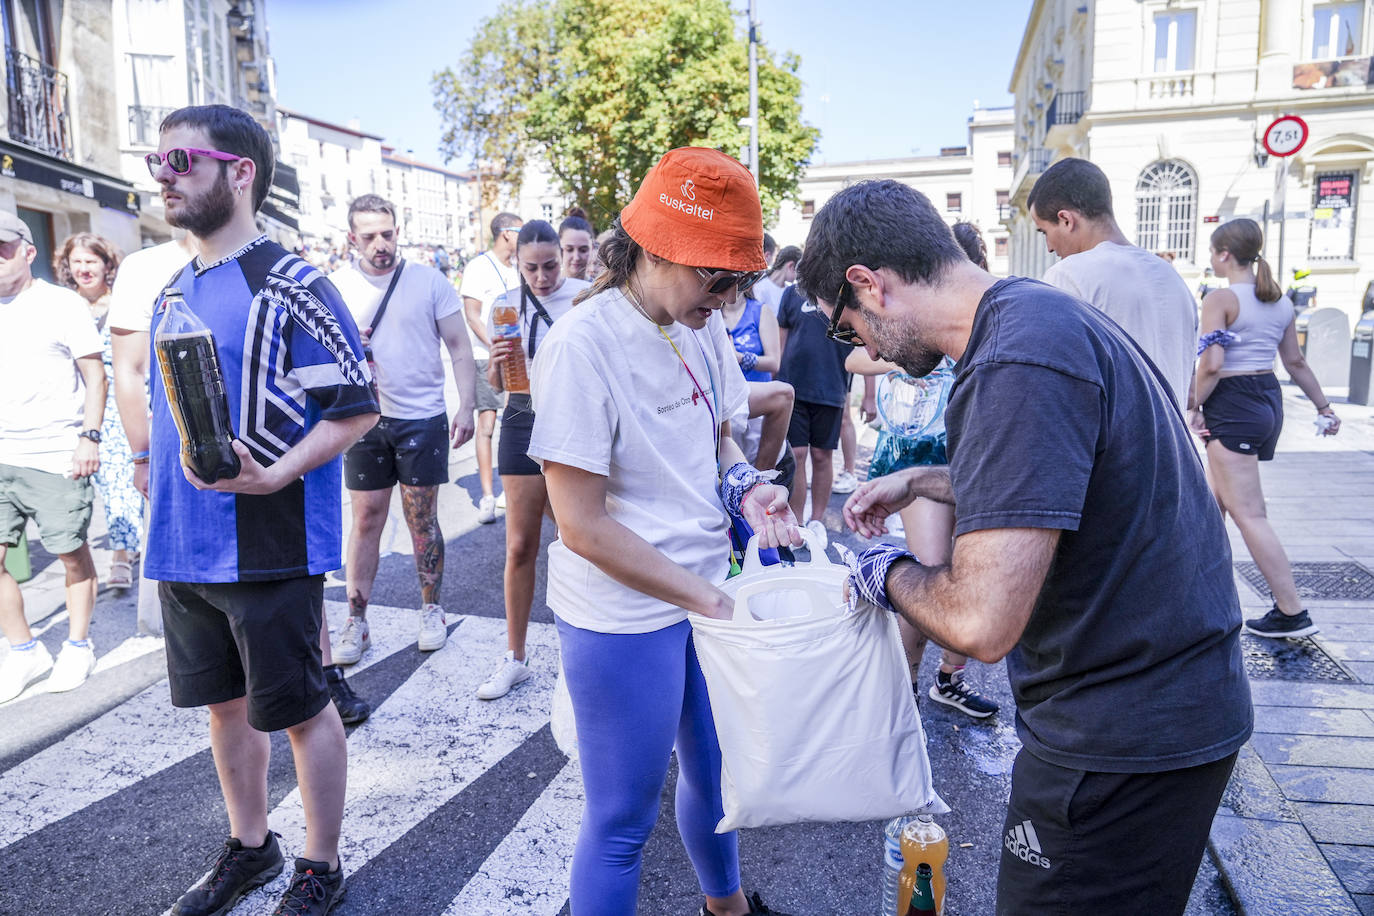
121,574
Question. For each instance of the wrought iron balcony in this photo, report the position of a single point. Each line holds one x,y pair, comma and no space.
37,104
144,121
1038,159
1066,108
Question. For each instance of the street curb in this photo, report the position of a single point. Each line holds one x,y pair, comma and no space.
1267,860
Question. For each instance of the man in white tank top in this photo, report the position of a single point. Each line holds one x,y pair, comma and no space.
1071,204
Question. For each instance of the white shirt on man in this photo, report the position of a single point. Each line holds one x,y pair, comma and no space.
46,329
142,277
485,278
612,397
1145,295
406,346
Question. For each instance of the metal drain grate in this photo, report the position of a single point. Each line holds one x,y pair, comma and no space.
1288,660
1319,581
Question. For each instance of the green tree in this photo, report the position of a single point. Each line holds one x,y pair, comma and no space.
599,89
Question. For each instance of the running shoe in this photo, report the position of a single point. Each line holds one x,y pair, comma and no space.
23,668
953,690
433,628
501,501
845,482
756,906
355,638
486,510
236,871
820,539
509,673
74,664
352,708
314,890
1278,625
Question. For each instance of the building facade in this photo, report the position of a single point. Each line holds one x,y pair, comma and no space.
59,146
1171,98
968,183
334,163
434,203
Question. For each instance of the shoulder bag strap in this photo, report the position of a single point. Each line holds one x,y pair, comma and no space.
386,297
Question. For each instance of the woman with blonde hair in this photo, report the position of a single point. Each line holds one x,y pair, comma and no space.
1238,405
631,390
88,263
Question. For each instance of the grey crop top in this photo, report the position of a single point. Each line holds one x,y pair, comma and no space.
1258,327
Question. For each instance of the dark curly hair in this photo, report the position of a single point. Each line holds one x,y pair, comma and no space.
102,248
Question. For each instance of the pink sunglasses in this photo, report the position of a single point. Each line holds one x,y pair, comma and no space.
178,159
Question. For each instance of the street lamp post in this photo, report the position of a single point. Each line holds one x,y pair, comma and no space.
754,94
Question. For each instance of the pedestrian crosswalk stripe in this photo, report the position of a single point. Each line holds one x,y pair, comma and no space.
529,871
414,754
140,737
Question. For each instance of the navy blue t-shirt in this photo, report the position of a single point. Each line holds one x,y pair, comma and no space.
1131,659
811,362
291,356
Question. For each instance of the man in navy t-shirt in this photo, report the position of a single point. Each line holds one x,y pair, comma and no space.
1088,552
241,561
814,366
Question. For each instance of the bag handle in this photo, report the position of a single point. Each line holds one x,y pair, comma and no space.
820,592
752,563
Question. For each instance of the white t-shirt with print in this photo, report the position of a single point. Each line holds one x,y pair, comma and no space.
485,278
142,277
611,397
46,329
556,304
406,348
1144,294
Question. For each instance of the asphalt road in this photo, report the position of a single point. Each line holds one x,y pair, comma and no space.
109,803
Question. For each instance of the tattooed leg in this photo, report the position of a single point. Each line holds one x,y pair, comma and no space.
364,541
421,506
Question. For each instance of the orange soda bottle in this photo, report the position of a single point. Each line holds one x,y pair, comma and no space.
923,842
514,376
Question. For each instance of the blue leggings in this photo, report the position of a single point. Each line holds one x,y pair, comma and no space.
635,697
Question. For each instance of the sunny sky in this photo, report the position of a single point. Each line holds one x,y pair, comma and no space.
890,78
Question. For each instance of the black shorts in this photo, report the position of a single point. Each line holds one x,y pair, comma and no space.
412,452
1245,414
1078,841
255,639
815,425
517,424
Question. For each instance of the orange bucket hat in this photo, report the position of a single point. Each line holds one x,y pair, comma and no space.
698,207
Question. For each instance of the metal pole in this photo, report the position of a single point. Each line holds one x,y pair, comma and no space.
753,94
1282,203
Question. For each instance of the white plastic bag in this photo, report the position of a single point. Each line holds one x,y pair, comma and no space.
812,704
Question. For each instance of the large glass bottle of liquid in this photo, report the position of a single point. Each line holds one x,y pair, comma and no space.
514,375
923,842
194,382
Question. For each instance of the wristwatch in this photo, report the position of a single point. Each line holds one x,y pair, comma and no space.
92,434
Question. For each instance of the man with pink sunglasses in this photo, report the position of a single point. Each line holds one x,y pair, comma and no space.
241,561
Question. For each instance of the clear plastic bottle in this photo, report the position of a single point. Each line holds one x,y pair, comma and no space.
196,394
892,863
514,376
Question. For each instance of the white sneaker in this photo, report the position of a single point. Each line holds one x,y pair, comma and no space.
820,539
74,664
23,668
486,510
433,628
509,673
355,638
845,482
501,500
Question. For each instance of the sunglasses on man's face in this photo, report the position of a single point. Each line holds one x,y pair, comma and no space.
178,159
719,282
837,333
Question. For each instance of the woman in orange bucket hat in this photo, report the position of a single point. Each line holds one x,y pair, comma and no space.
631,390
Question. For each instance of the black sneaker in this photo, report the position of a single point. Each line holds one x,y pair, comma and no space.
352,708
314,890
953,690
237,871
756,905
1278,625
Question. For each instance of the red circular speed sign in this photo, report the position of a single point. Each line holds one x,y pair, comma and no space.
1285,136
